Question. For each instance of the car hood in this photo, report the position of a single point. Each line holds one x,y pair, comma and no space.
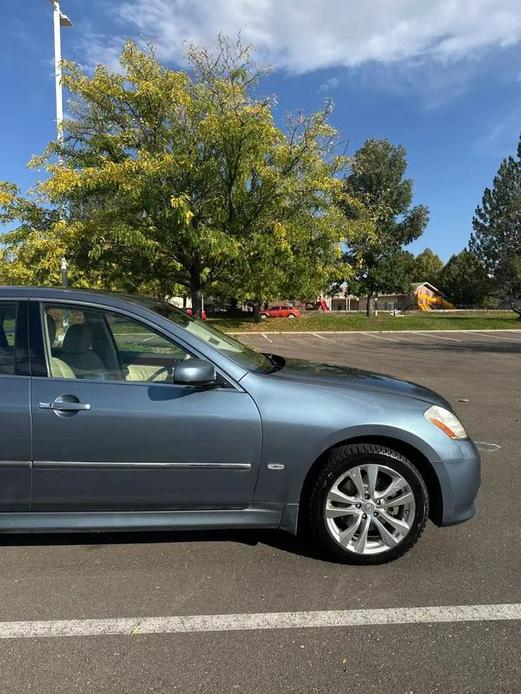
336,376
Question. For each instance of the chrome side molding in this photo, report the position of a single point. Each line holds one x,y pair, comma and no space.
56,464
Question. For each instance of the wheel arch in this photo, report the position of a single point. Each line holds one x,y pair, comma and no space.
412,453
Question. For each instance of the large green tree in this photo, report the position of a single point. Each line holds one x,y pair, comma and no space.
168,178
426,267
464,280
377,180
497,228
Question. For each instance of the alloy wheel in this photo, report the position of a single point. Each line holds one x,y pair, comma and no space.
370,509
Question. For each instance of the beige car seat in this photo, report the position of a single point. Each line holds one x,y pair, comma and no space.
59,369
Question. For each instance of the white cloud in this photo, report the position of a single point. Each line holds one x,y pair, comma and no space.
97,48
305,35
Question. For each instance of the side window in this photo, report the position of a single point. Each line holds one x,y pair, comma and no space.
7,337
143,354
101,345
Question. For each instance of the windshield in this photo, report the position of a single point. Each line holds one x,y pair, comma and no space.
237,351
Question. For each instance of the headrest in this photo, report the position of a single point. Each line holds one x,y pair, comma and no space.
51,329
78,339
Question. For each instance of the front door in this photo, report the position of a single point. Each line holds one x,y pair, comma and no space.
112,432
15,422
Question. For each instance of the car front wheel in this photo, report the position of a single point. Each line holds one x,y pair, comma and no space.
368,504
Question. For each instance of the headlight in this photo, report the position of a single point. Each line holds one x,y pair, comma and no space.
446,421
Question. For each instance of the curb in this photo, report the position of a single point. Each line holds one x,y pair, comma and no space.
369,332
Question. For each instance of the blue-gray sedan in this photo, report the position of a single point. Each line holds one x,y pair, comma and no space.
123,413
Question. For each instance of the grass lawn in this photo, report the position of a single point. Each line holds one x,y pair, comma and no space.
313,322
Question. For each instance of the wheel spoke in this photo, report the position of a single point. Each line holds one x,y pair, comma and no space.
361,543
396,523
404,498
356,476
395,486
338,511
336,495
372,476
346,535
389,539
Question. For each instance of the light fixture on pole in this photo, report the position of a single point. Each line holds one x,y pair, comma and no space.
59,20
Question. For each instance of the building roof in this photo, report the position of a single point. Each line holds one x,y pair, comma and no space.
416,285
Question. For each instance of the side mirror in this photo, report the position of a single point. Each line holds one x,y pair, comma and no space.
195,372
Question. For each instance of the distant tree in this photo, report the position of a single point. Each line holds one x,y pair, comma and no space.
497,228
426,267
464,280
394,272
377,181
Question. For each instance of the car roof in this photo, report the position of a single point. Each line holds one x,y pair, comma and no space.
135,304
71,294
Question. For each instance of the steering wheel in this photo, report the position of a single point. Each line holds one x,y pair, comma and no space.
159,372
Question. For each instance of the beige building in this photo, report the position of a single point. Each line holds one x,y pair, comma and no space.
423,296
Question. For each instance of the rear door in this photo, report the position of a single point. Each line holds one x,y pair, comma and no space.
15,424
112,431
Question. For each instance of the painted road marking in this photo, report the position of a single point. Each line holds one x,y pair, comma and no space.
435,335
328,339
363,332
487,447
266,337
495,337
380,337
271,620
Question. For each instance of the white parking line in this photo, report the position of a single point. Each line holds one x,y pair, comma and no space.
487,447
269,620
327,339
380,337
502,337
266,337
435,335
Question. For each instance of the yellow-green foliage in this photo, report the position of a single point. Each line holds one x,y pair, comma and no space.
169,178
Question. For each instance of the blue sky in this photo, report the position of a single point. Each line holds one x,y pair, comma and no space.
441,77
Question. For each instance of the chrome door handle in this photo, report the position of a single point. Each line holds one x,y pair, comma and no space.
65,406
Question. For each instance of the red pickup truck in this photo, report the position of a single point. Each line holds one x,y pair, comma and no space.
280,312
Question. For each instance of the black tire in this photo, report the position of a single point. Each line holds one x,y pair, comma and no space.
264,316
339,461
291,315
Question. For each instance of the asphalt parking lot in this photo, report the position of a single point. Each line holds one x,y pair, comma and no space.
80,577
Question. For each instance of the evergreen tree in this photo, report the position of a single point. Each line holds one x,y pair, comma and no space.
464,280
497,228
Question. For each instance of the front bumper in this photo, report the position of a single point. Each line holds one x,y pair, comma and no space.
459,479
